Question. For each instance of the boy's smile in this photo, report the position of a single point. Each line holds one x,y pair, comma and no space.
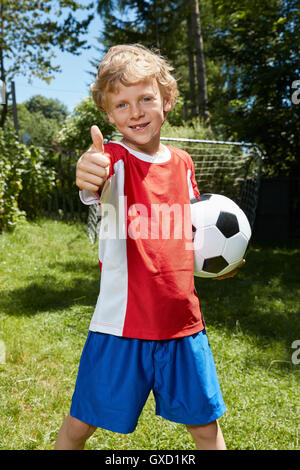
138,111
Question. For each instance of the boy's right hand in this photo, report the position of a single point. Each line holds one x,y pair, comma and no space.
93,166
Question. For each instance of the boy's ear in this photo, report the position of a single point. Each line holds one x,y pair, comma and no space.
110,118
167,105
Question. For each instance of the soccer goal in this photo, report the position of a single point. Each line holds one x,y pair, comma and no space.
229,168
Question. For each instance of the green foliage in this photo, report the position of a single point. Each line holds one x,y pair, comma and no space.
10,186
258,43
48,107
24,180
251,320
75,132
40,119
31,28
35,128
252,60
157,25
176,116
194,130
37,180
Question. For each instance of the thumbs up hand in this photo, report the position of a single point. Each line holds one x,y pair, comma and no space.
93,166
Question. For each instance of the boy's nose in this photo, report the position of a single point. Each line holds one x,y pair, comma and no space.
136,111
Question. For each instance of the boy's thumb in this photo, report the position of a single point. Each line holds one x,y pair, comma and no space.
97,138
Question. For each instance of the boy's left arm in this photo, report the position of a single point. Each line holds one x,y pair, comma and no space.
230,274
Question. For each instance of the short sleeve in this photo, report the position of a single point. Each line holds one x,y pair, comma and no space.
195,193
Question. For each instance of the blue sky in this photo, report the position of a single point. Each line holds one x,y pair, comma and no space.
72,84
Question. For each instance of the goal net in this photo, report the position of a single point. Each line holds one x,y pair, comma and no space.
229,168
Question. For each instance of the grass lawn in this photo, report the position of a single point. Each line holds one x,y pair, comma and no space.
49,286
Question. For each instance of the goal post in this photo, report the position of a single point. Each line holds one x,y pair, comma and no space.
229,168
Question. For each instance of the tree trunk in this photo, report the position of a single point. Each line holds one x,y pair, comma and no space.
192,73
157,40
4,105
200,60
2,70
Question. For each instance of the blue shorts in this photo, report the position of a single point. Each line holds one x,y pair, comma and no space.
116,375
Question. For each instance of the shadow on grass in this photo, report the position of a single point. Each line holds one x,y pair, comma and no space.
263,299
50,292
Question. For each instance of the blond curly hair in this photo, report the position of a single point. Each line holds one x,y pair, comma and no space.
130,64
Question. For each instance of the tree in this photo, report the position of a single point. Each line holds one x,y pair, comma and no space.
259,45
25,180
28,32
49,107
172,27
154,23
246,79
40,119
195,24
75,134
35,128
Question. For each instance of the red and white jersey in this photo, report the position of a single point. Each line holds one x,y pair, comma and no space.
147,282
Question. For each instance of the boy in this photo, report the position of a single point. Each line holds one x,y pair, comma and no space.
147,332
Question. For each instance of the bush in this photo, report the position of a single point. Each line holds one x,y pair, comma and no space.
40,119
191,130
37,180
24,180
75,132
10,186
35,128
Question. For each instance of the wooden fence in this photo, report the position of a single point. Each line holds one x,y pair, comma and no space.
63,200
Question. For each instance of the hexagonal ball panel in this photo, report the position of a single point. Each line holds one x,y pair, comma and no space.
209,242
228,224
235,248
214,265
244,224
204,213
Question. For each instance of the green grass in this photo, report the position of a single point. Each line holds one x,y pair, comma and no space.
49,285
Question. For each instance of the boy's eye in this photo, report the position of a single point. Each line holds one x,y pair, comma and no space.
121,105
147,98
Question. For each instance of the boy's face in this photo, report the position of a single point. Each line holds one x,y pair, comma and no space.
138,113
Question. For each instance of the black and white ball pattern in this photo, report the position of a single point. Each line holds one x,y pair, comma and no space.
221,235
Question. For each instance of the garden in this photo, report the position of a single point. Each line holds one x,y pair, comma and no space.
49,271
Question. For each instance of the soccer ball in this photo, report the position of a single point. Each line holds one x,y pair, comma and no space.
221,233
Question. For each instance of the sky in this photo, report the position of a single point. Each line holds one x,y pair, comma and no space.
70,85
